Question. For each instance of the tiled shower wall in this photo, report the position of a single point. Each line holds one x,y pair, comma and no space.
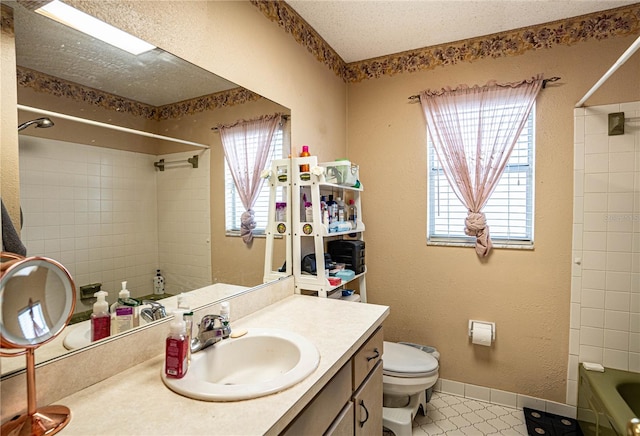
96,210
184,224
605,288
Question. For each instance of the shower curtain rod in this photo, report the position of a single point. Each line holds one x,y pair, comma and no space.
621,60
109,126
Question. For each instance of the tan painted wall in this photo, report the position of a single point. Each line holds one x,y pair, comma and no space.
234,40
434,291
9,177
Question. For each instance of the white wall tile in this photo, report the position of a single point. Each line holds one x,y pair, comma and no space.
591,317
592,336
621,162
560,409
595,222
594,241
616,340
596,163
572,392
452,387
574,341
596,201
619,182
504,398
634,362
618,261
595,260
616,320
616,359
530,402
599,182
594,279
477,392
615,300
609,205
592,298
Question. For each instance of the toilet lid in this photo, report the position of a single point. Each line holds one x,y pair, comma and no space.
407,361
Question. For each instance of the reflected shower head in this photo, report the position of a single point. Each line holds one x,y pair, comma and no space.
42,123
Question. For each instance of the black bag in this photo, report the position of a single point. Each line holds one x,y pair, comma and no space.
309,263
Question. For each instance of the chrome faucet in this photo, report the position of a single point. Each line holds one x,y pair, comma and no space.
209,333
153,313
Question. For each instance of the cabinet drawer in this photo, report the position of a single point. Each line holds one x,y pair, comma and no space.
367,357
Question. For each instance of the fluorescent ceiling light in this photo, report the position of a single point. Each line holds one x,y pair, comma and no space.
85,23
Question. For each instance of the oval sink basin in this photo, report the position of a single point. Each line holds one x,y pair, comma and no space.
79,336
262,362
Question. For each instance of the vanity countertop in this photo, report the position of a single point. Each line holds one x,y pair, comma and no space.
136,401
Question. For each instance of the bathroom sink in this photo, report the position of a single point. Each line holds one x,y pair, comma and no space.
79,336
262,362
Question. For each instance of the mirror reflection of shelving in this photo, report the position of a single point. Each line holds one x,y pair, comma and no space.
318,233
279,223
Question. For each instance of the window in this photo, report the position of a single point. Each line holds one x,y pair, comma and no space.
233,206
509,211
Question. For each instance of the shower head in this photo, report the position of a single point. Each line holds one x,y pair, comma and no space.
42,123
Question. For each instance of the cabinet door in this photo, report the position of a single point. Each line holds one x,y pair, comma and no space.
343,425
368,404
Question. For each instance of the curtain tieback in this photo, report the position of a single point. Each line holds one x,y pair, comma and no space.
247,224
476,225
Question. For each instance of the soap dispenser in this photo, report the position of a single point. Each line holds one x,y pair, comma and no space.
124,311
176,353
100,318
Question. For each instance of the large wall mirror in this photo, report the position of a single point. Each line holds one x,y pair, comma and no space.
92,197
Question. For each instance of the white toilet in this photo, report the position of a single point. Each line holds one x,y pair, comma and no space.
407,372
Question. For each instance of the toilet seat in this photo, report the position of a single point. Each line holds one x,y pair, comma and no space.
405,361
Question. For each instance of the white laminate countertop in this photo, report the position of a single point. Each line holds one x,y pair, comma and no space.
136,402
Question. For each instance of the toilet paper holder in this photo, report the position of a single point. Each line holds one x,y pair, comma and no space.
492,325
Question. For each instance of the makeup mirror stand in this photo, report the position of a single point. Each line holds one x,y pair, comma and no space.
45,420
37,421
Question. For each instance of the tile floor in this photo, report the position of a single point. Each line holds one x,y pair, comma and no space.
452,415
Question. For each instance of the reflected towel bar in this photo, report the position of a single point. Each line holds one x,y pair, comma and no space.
193,161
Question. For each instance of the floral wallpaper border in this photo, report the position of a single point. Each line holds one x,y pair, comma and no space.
55,86
6,19
599,25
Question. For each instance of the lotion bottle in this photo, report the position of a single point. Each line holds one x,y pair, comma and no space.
100,318
176,354
124,311
304,168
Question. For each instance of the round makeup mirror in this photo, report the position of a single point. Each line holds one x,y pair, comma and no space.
37,299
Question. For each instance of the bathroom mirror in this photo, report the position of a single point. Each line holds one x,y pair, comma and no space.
37,297
213,256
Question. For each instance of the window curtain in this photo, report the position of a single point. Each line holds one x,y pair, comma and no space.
245,165
474,130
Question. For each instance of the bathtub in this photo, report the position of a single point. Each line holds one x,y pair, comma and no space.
607,401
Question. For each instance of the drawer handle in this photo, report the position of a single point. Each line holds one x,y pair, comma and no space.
366,418
375,356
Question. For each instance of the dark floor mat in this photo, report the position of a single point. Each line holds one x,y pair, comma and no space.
548,424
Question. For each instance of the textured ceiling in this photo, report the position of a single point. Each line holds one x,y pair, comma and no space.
155,78
358,29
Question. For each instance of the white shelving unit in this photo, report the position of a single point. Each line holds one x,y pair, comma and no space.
312,235
279,191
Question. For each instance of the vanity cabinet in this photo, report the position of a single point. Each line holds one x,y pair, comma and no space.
351,403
